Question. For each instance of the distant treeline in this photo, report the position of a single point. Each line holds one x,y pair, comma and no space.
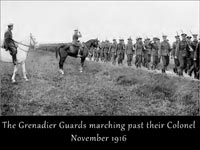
49,47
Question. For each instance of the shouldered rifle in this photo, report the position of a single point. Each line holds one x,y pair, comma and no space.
191,49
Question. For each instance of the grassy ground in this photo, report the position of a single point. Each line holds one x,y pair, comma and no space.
100,90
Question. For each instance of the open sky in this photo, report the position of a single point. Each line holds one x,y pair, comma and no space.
55,21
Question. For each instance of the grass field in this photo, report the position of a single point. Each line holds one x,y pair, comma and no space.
100,90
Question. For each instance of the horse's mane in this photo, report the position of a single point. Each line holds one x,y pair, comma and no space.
89,42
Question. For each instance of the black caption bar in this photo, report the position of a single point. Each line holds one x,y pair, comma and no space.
95,129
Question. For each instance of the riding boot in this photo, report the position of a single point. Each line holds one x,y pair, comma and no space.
14,59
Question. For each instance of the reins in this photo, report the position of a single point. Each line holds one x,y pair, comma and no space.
22,44
23,49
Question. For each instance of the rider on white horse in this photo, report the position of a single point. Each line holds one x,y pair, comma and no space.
9,43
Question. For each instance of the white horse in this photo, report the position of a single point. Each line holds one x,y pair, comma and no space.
22,53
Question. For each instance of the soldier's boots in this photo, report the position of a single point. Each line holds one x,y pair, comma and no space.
163,70
175,70
180,72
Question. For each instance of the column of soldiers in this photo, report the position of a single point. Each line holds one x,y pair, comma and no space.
154,54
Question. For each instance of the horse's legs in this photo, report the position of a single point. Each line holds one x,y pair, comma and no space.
14,73
24,71
82,64
61,62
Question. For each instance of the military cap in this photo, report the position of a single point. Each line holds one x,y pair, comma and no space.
147,39
164,35
183,34
194,35
114,39
76,30
156,38
10,25
129,38
177,36
138,38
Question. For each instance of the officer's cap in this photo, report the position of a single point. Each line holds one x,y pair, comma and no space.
76,30
10,25
114,39
164,36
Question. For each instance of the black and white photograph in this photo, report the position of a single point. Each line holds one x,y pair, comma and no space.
100,58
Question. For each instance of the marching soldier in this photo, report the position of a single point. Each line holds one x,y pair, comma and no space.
155,49
98,53
139,52
101,50
181,53
9,43
113,51
147,53
109,52
120,51
164,53
197,61
76,42
129,51
193,45
176,62
106,51
190,55
95,54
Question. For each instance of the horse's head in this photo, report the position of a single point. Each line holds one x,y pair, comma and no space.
92,43
95,43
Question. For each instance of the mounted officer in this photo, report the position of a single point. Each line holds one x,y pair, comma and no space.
76,42
9,43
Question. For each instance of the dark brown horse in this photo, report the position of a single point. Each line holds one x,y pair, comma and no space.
71,50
